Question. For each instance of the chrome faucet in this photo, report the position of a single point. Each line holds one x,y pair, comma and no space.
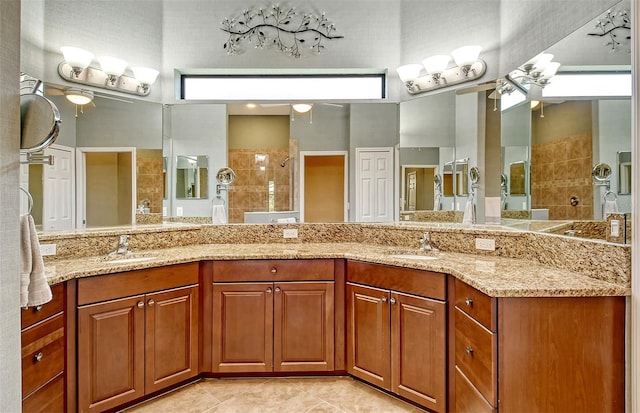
425,243
123,246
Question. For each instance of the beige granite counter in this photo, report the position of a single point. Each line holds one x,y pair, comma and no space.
494,275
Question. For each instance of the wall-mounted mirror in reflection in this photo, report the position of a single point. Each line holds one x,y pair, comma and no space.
461,185
517,173
624,173
192,177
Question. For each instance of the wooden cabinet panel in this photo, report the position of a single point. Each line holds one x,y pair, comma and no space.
43,353
476,354
303,326
32,315
171,337
468,398
478,305
242,327
368,334
418,350
47,399
273,270
110,353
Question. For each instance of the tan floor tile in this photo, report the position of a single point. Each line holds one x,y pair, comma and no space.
193,398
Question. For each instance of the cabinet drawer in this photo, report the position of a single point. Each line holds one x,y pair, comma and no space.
477,304
42,353
49,398
406,280
273,270
32,315
475,354
130,283
468,398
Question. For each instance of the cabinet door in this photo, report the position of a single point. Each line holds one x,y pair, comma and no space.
368,334
303,326
418,350
110,353
171,337
242,327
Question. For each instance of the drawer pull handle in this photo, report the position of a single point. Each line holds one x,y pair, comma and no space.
383,299
278,289
151,303
274,270
469,351
468,301
38,308
140,304
38,357
269,290
392,300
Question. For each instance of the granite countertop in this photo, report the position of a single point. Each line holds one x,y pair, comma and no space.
495,276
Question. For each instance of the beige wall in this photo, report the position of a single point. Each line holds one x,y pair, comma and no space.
324,188
258,132
108,180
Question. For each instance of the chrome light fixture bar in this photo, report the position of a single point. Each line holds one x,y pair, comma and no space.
76,68
468,67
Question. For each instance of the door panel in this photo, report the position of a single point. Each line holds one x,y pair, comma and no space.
374,184
58,195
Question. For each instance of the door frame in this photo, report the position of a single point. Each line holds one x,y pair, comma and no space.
403,183
345,155
81,178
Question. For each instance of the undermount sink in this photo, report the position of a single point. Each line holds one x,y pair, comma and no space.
413,257
127,258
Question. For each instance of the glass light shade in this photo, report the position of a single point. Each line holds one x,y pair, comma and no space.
78,97
550,70
302,107
543,59
436,64
112,65
409,72
466,55
145,75
76,57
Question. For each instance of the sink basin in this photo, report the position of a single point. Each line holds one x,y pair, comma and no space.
413,257
127,258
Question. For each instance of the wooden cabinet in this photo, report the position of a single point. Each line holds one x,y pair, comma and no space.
282,326
538,354
43,355
133,346
396,331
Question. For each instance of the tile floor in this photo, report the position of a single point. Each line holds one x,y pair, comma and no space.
281,395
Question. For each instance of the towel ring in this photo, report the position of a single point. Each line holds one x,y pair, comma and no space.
29,197
219,198
615,197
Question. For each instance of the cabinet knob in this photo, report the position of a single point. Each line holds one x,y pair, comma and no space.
383,299
278,289
140,304
468,301
469,351
274,270
151,302
38,308
392,300
38,357
269,290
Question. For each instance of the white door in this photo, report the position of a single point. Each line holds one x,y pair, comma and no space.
374,184
58,192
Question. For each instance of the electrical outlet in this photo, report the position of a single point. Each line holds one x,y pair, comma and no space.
615,228
47,249
290,233
164,211
179,211
485,244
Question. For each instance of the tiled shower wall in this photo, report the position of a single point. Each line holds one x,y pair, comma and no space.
254,169
561,169
149,178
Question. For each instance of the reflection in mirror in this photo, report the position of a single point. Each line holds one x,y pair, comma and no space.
517,172
624,173
419,168
461,185
601,172
447,179
192,177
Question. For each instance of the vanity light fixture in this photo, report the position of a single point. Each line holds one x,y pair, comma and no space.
468,67
537,71
77,68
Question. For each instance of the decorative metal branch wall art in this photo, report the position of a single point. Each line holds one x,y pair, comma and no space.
282,28
611,25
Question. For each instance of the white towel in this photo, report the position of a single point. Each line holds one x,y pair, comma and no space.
610,207
436,203
219,215
34,289
469,216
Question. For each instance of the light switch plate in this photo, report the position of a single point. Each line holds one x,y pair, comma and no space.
179,211
615,228
485,244
290,233
47,249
